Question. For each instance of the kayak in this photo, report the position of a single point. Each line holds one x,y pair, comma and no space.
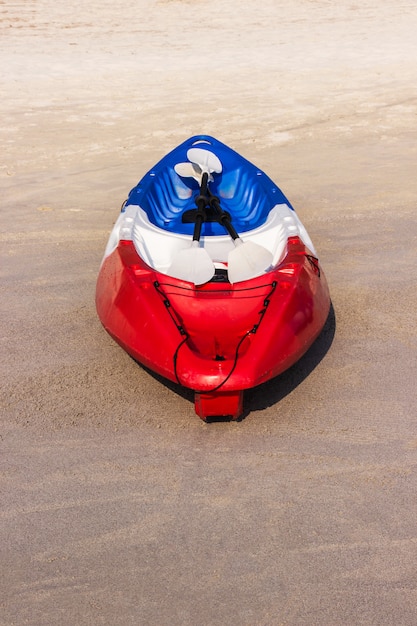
209,278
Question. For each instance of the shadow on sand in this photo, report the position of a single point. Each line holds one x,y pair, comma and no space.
277,388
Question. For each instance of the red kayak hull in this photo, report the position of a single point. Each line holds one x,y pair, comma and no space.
217,339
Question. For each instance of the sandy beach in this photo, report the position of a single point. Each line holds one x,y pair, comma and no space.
118,505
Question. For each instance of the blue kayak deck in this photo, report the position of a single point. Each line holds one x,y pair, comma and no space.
244,191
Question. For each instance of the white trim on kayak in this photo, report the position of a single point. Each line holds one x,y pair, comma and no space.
158,247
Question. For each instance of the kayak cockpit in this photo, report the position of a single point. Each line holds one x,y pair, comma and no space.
245,192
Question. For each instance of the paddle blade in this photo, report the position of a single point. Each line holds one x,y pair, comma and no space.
189,170
206,160
247,260
192,264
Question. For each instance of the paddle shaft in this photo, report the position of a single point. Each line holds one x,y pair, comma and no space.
201,202
224,218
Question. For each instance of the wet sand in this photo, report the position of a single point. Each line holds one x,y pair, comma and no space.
118,505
